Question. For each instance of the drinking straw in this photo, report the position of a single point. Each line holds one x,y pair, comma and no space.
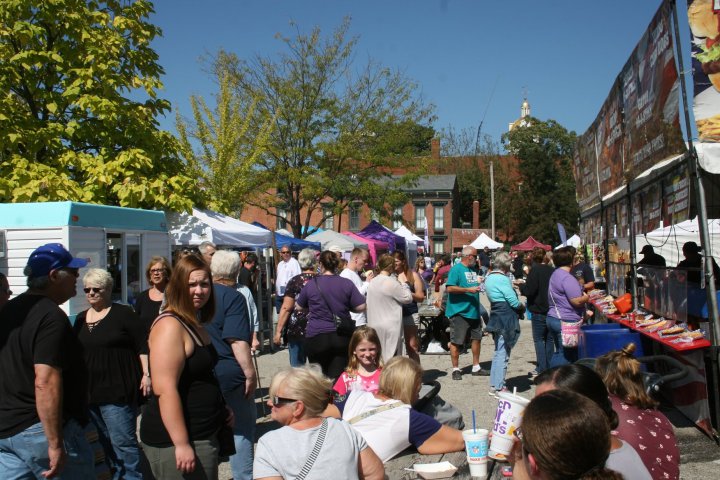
473,415
514,390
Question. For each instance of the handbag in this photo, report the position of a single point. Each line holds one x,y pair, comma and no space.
569,331
315,451
343,326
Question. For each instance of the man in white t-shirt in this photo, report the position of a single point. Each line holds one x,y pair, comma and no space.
287,268
358,259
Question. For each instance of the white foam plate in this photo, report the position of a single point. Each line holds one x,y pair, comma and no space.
435,470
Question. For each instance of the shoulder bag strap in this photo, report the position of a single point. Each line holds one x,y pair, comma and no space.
315,451
554,304
317,285
370,413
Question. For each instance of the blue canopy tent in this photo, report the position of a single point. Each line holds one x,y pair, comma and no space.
376,231
295,244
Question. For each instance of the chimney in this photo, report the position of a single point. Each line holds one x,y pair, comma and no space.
476,215
435,149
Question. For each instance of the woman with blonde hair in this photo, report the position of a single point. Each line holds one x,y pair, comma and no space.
307,442
563,435
180,423
641,424
385,298
388,422
115,350
148,302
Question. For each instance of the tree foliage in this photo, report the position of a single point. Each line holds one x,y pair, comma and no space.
218,149
338,134
71,124
544,150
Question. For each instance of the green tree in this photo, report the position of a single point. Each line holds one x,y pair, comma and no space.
339,133
544,151
218,149
79,106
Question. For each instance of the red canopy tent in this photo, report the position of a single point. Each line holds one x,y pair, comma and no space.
529,244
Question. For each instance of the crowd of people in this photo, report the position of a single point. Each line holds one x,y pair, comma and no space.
184,357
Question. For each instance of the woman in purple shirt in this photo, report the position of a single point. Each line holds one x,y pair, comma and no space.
326,295
566,300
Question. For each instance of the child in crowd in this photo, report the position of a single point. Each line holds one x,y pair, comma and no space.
365,364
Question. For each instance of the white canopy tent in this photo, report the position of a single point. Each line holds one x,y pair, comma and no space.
331,238
222,230
573,241
483,241
668,241
404,232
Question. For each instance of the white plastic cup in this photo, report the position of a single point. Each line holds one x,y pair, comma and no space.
478,469
507,420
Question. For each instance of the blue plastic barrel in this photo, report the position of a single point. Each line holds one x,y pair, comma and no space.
595,343
594,328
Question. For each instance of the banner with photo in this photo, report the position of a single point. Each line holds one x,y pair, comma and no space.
585,171
650,94
591,230
647,209
608,130
705,52
676,197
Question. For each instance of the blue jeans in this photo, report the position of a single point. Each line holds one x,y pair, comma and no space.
245,413
25,455
543,340
562,355
296,349
500,360
116,424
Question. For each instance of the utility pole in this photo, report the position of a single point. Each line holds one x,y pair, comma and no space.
492,201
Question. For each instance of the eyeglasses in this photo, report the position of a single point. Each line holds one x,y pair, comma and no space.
279,401
157,270
93,290
284,252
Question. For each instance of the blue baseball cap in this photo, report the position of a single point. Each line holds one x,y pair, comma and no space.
51,256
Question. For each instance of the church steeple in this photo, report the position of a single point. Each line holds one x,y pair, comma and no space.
524,113
525,109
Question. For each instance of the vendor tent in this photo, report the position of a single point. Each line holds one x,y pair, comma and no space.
404,232
668,241
295,244
331,238
573,241
375,247
529,244
484,241
376,231
222,230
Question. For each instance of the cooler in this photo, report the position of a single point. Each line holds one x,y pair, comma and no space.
594,343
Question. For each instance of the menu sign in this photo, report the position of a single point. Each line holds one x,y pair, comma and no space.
650,96
647,209
585,171
677,197
609,142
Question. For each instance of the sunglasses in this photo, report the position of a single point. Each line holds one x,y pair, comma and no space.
157,270
283,252
93,290
278,401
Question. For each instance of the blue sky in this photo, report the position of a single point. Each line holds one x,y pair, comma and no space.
566,53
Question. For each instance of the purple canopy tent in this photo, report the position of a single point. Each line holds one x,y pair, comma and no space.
375,247
376,231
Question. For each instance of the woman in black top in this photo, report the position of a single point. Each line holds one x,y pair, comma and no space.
113,341
180,423
148,303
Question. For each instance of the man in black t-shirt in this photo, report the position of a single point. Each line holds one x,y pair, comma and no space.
247,272
43,388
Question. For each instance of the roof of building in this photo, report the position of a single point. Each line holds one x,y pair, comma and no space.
433,182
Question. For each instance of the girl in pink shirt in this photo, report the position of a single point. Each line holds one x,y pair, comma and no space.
365,364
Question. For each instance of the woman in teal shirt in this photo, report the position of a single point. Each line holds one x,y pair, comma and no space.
504,324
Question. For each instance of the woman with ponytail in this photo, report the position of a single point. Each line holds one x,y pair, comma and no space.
640,423
564,435
585,381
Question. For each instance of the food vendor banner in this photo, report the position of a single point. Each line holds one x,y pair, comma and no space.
608,130
591,230
647,209
705,44
650,92
676,197
585,171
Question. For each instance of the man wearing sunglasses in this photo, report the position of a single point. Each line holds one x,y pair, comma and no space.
287,268
43,408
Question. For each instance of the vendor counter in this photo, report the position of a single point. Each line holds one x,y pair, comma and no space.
689,394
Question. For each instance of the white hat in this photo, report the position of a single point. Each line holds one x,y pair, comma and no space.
335,249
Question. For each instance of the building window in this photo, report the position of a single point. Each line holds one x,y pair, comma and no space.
397,218
280,220
354,217
438,247
439,218
329,219
419,217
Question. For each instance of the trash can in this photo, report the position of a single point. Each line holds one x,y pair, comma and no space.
594,343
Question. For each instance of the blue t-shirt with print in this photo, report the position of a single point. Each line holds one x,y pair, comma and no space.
464,304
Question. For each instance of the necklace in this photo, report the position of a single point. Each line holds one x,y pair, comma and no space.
91,325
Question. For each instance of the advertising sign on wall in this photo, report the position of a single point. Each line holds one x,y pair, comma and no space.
609,142
585,171
677,197
705,41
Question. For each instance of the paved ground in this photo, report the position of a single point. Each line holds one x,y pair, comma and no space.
700,456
